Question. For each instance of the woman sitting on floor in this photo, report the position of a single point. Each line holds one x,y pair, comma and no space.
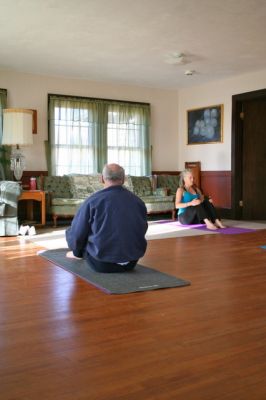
193,207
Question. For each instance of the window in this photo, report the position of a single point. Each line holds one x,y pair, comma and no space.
86,133
127,139
73,141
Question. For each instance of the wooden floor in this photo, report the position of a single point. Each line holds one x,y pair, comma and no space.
62,339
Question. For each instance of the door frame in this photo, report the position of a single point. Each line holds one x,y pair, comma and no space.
237,148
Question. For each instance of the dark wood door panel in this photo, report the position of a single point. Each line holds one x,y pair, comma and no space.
254,159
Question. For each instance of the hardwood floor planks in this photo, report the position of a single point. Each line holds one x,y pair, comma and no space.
61,338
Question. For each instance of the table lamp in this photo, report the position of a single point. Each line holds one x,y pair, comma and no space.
17,131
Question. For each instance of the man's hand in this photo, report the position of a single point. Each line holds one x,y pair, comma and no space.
70,254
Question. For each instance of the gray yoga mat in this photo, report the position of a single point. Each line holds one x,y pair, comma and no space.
138,280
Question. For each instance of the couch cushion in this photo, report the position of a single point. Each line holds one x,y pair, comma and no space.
170,182
81,185
64,207
60,201
159,206
95,183
141,185
59,186
157,199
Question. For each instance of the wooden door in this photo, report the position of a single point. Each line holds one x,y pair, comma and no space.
254,160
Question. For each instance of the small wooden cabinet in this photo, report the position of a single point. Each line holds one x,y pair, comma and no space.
29,196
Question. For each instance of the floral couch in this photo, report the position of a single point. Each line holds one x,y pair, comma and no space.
155,199
169,182
66,193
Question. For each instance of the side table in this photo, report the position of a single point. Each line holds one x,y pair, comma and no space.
34,195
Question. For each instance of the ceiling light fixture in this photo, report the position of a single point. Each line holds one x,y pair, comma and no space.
175,58
189,72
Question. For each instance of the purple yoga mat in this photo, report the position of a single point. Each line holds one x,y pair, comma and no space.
230,230
179,225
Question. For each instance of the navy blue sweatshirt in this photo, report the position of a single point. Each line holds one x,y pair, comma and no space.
110,225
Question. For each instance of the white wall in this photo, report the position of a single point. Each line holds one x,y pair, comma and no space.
213,157
169,111
30,91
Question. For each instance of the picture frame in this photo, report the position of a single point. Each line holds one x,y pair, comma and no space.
34,121
205,125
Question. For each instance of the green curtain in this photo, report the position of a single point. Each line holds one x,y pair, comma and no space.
5,151
3,101
85,134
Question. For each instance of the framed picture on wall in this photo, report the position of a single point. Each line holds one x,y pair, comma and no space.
205,125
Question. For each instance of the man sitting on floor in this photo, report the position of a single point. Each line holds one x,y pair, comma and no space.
109,227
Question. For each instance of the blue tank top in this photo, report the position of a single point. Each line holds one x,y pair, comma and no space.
186,198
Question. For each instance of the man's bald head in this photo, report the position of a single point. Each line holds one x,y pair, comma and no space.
113,174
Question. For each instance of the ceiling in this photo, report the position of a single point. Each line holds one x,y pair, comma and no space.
129,41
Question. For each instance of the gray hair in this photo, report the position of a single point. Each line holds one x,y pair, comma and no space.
114,173
182,176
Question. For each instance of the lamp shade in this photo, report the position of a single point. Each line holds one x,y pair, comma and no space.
17,126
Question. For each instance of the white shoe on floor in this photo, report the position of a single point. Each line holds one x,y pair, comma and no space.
23,230
32,231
